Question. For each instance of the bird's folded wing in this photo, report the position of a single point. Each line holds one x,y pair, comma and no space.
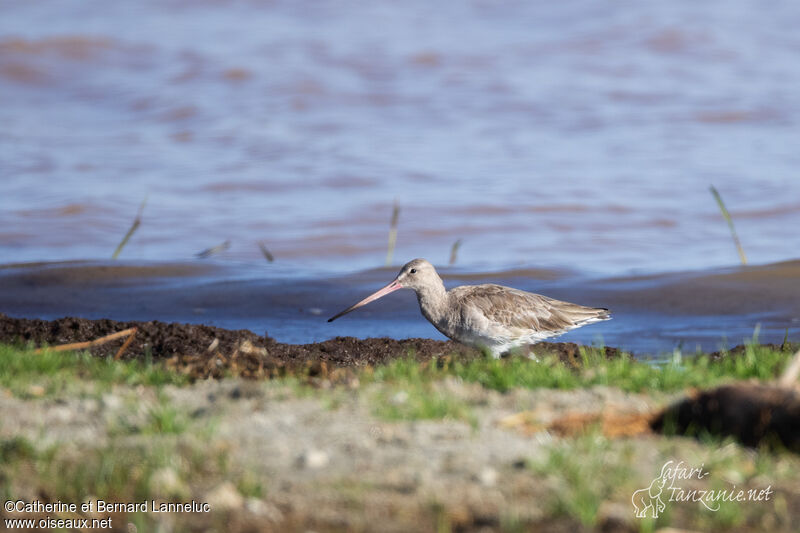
518,309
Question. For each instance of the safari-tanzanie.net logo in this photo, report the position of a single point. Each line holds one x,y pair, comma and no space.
671,486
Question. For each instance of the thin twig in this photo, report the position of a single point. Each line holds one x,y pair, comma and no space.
727,217
136,222
392,233
88,344
125,345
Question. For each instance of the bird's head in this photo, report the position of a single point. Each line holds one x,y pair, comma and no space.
416,275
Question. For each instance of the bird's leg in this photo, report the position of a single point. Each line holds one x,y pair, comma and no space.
489,353
530,354
519,351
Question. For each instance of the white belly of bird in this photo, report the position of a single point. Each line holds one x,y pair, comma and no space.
498,340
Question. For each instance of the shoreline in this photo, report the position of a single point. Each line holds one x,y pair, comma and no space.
652,314
211,351
249,354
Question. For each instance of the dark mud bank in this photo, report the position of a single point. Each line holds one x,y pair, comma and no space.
212,351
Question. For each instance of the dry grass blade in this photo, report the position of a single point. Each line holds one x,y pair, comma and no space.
612,422
454,251
125,345
392,233
208,252
136,222
267,255
89,344
729,220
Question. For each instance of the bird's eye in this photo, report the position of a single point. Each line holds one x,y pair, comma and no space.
412,271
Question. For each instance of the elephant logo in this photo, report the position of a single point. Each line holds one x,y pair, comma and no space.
649,499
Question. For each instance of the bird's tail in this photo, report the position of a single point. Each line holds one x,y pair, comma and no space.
602,313
590,315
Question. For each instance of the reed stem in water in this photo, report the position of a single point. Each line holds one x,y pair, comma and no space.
727,217
136,222
392,233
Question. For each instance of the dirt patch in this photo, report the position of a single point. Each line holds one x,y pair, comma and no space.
204,351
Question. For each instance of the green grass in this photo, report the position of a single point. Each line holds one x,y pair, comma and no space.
26,373
119,471
23,371
421,401
583,473
165,418
623,372
586,472
15,448
250,486
160,418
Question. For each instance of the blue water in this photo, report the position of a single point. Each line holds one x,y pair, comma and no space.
575,137
562,135
651,315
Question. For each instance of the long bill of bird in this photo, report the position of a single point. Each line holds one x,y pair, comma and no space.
393,286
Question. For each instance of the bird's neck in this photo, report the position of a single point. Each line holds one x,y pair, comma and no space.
433,301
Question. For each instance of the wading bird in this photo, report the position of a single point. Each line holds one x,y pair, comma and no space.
491,317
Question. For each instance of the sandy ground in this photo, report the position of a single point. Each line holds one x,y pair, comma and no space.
325,461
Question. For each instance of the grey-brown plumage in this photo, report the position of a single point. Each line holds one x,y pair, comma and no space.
489,316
